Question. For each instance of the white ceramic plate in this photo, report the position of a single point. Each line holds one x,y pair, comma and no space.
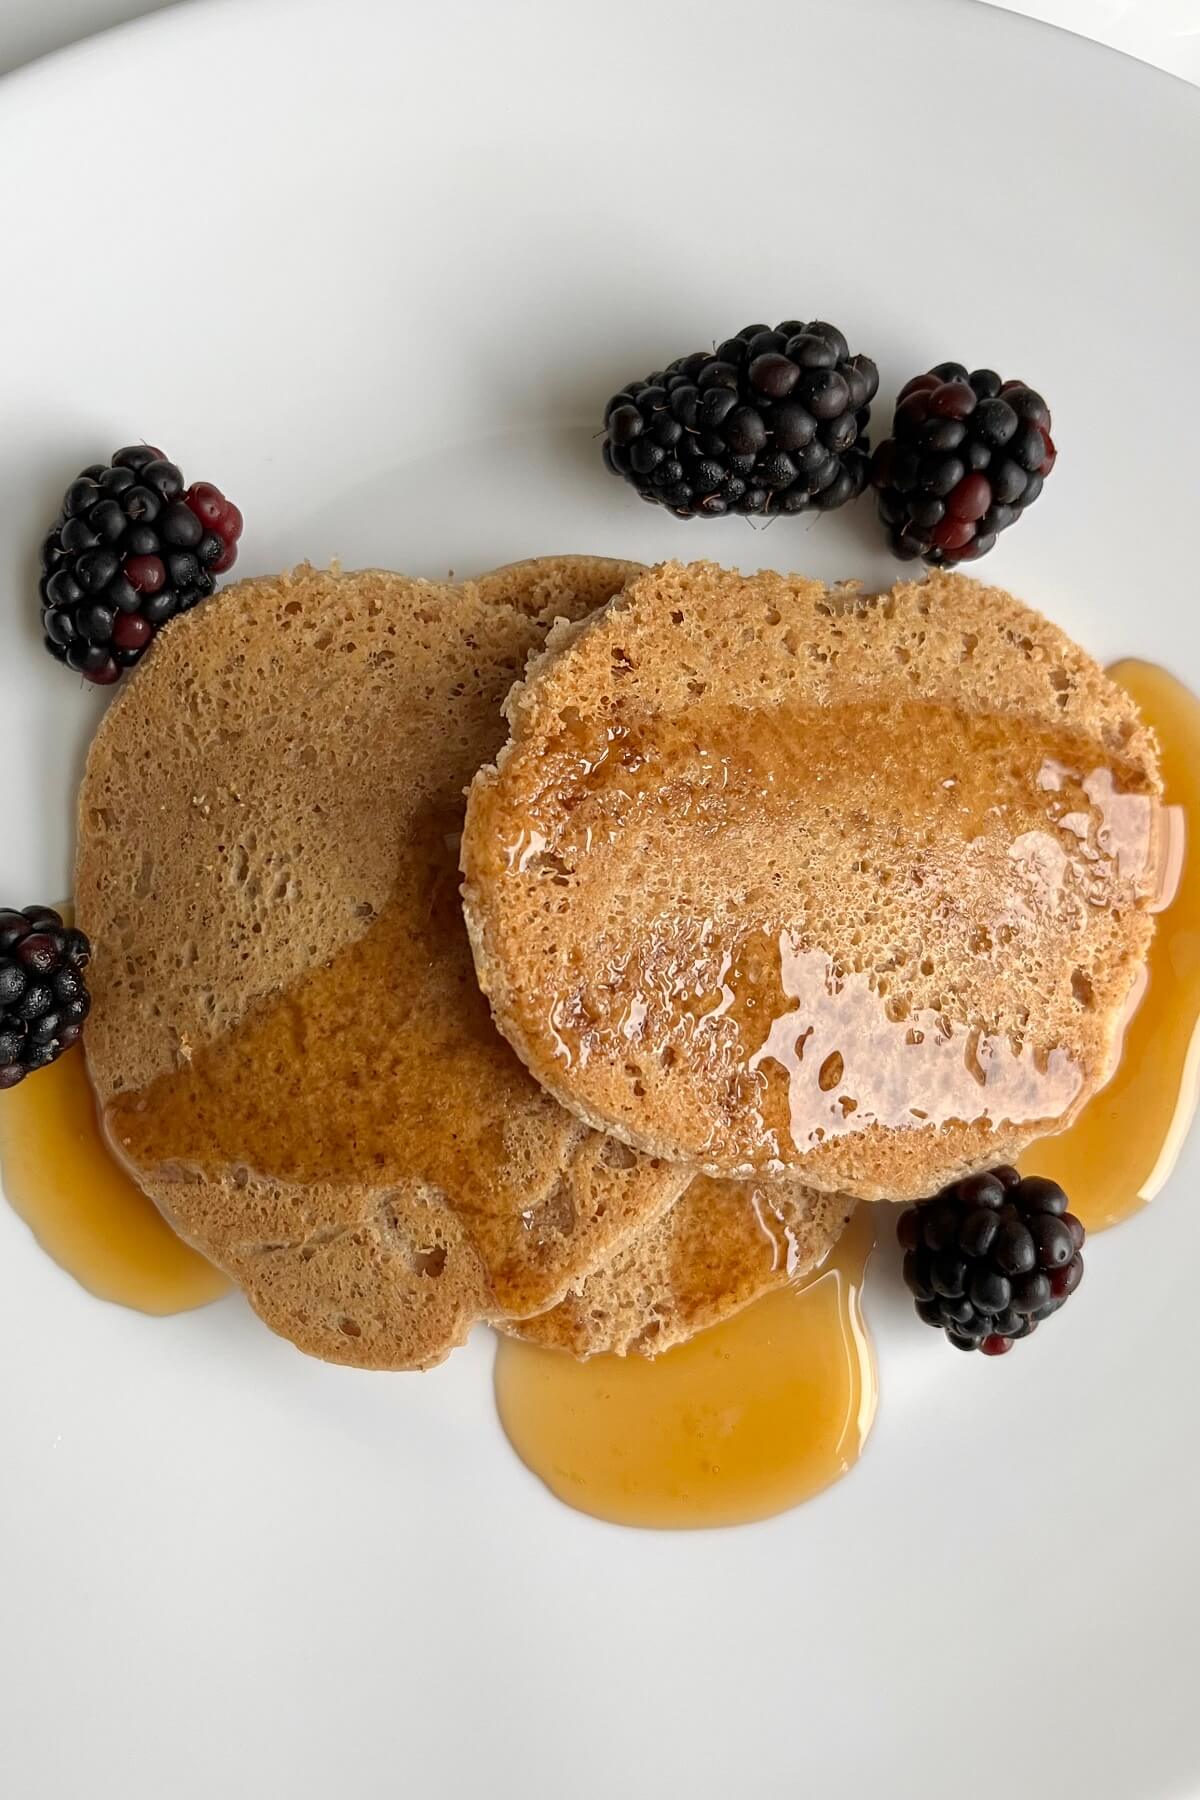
374,269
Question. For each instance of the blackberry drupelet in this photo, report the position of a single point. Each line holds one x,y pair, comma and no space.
771,421
131,547
967,455
990,1257
43,995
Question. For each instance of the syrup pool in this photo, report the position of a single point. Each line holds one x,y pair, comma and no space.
58,1174
743,1421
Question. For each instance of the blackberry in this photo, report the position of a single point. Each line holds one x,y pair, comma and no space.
967,455
990,1257
43,995
131,547
770,421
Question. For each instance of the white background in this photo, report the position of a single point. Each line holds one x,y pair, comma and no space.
1163,32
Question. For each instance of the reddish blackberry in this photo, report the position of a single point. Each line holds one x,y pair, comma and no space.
131,547
967,455
990,1257
771,421
43,995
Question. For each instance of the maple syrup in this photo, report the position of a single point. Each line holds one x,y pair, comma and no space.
382,1068
831,899
1124,1144
85,1212
743,1421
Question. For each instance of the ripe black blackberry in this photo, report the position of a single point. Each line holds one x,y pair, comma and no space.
771,421
43,995
131,547
967,455
990,1257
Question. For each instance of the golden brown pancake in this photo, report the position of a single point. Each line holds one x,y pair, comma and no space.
287,1040
722,1245
776,878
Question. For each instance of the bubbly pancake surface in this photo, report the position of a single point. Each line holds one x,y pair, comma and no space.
288,1041
773,877
722,1245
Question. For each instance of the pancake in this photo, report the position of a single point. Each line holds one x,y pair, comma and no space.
287,1042
722,1245
775,878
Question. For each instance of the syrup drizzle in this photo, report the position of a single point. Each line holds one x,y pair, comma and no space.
776,1025
1124,1144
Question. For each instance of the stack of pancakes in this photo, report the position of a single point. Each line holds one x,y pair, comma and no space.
782,898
